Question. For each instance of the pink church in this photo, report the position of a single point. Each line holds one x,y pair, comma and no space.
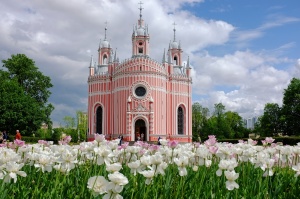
140,98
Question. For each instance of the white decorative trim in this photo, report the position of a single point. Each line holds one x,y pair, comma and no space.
140,108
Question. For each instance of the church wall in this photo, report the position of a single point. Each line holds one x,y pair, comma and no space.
180,95
122,100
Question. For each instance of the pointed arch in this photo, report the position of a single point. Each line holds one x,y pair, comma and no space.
175,60
180,120
105,58
140,128
99,120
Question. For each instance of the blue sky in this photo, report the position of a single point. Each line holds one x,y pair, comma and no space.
243,53
276,23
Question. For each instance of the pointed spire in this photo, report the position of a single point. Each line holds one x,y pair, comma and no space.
110,56
147,30
169,57
99,46
115,57
164,56
174,31
141,8
188,63
133,30
105,30
91,62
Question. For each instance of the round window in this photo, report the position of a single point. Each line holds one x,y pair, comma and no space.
140,91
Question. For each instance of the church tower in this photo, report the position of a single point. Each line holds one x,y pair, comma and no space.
140,38
105,54
175,54
140,98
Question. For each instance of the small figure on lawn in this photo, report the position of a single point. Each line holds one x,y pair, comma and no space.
158,141
121,138
5,136
18,135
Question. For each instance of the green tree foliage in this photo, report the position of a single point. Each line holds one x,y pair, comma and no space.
257,127
270,123
222,129
222,124
291,108
199,118
24,95
235,123
82,122
69,122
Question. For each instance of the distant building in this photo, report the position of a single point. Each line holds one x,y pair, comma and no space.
250,122
140,98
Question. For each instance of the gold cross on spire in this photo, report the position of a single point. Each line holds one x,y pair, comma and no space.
105,29
174,30
141,8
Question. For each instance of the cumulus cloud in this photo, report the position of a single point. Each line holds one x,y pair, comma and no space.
62,35
243,81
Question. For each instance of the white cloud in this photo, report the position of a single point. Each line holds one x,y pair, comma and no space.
274,20
243,81
62,35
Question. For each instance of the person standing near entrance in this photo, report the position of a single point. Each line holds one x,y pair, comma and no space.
142,137
18,135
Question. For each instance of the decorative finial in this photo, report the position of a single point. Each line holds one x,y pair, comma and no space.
174,31
141,8
105,30
115,57
188,63
91,63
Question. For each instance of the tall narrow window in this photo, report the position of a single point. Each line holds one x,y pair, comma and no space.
175,61
105,59
99,119
180,120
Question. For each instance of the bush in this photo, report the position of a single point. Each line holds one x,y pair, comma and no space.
285,140
29,139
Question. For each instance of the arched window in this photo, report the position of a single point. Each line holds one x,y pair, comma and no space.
105,59
180,120
140,130
99,119
140,50
175,62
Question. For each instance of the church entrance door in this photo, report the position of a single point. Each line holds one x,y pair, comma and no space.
140,130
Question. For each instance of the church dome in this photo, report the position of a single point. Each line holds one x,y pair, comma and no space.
174,45
105,44
140,31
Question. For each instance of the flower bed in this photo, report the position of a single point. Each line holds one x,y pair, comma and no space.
106,169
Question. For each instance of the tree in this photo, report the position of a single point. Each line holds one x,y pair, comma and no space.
270,123
199,118
82,122
291,108
235,122
24,95
222,128
219,110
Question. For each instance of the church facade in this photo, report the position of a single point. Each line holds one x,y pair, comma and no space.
140,98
